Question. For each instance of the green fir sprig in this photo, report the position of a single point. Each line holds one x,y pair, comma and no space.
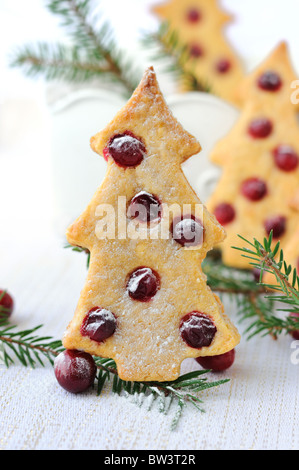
93,52
168,49
79,249
271,260
254,303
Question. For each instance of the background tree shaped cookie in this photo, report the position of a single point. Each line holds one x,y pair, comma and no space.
145,302
260,158
199,25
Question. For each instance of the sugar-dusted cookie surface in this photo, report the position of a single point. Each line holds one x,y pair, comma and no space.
200,25
273,78
257,183
145,302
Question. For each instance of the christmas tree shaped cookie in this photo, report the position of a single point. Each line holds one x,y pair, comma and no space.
145,302
260,159
199,25
266,88
273,77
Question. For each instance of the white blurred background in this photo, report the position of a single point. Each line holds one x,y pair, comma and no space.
26,192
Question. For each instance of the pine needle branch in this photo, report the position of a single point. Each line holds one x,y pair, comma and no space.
94,52
26,345
263,309
175,57
79,249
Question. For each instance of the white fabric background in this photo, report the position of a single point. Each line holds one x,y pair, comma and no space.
257,409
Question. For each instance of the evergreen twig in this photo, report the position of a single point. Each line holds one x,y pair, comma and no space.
253,300
250,297
180,392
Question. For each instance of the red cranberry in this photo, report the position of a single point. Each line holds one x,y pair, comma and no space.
276,224
193,15
145,207
195,51
126,150
99,324
224,213
295,333
260,128
197,330
6,303
270,81
254,189
187,231
218,363
143,284
75,370
223,66
286,158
